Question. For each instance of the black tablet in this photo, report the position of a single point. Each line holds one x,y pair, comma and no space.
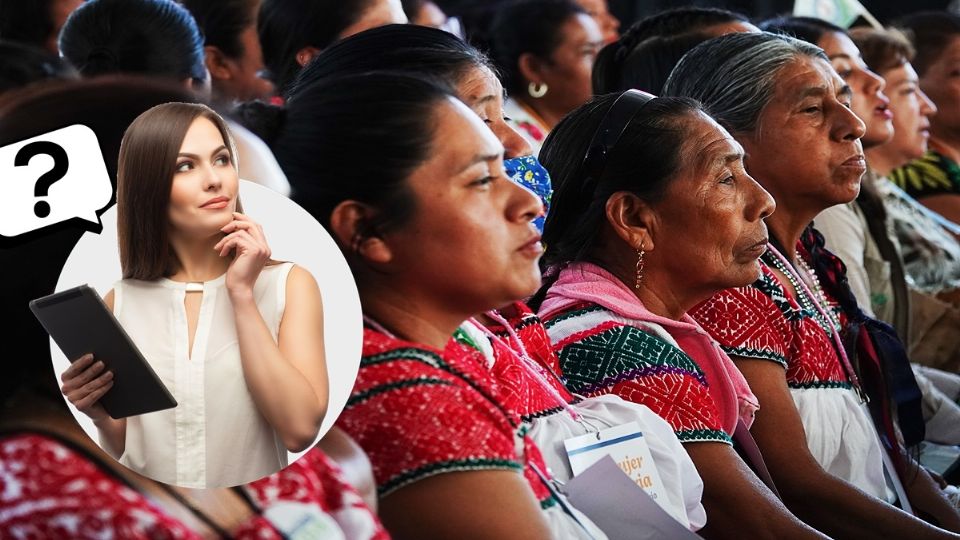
81,323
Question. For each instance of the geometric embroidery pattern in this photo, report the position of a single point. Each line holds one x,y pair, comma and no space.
418,412
600,354
763,321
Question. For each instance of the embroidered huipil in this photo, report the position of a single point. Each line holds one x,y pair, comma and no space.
609,343
418,412
763,321
550,424
215,436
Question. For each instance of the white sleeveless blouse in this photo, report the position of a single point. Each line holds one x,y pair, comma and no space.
215,436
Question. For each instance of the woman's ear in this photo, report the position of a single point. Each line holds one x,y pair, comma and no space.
632,219
350,224
218,64
531,68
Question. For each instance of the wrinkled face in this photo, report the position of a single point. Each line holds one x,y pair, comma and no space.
608,24
481,91
570,66
912,110
380,13
869,102
247,82
470,239
806,150
941,82
711,218
205,183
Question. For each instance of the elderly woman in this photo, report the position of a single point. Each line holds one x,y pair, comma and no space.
617,288
789,109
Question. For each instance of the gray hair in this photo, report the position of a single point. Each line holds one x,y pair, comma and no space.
735,75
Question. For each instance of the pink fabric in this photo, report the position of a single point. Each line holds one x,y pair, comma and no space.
588,282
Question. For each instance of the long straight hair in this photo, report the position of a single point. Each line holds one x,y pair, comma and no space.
145,169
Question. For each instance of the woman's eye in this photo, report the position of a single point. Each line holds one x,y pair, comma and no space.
845,74
184,166
728,180
222,160
484,182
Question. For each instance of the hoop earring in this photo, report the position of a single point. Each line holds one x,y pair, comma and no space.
640,254
537,90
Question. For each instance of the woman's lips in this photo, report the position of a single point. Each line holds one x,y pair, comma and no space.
855,162
533,247
883,112
757,249
216,203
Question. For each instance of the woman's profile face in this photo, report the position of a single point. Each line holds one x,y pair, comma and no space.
806,149
869,102
711,219
203,194
570,66
480,90
471,238
941,81
912,110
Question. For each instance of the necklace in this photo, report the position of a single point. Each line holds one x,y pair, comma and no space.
780,262
814,302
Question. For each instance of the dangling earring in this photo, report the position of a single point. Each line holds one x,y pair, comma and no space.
640,253
537,90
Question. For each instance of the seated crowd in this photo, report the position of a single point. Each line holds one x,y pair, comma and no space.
740,237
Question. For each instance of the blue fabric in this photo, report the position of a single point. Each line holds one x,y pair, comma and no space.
530,174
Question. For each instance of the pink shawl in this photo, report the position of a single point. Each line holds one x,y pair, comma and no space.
588,282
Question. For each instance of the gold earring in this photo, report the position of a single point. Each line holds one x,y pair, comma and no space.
640,254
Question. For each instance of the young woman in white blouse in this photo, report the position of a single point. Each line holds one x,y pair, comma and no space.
236,338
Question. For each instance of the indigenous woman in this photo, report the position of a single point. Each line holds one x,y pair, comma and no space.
786,105
522,360
241,327
618,283
545,48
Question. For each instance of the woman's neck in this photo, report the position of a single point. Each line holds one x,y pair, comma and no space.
946,144
410,316
658,291
541,112
881,161
787,227
198,261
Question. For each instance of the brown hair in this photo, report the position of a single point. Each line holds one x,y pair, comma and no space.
882,50
145,169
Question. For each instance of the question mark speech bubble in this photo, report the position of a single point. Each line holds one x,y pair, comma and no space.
52,178
60,165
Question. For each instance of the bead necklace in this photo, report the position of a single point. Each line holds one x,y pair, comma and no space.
815,303
781,263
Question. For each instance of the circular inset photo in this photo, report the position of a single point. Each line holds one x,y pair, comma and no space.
230,328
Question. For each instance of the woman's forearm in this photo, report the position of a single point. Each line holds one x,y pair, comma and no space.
113,435
843,511
282,393
736,500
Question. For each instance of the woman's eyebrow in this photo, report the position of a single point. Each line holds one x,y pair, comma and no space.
480,158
